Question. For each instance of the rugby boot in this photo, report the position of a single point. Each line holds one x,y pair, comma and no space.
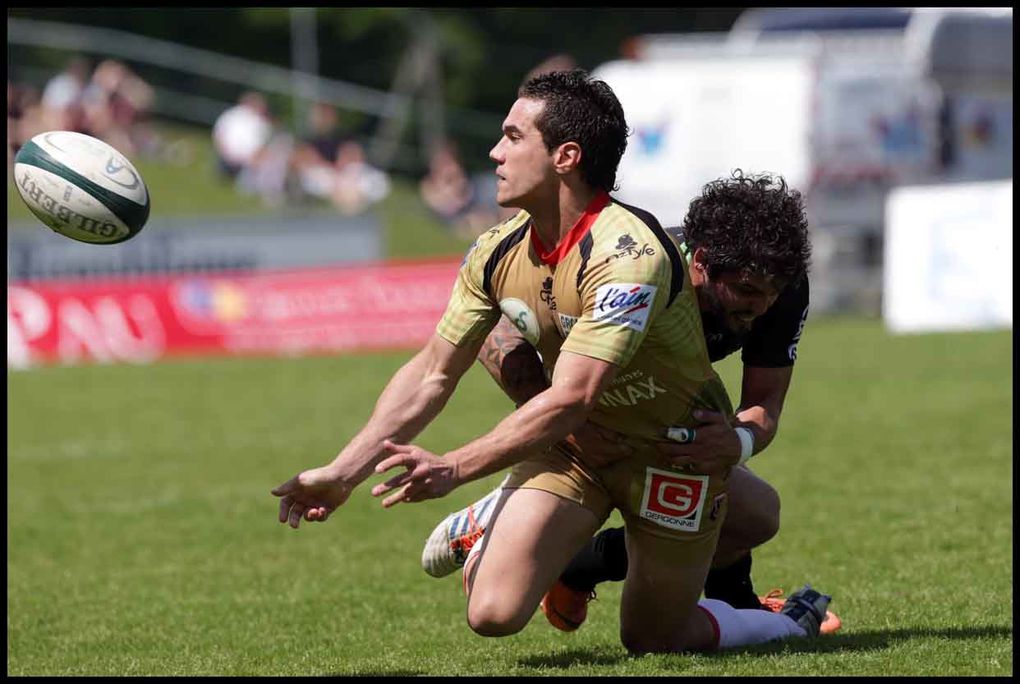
566,609
772,601
807,607
448,546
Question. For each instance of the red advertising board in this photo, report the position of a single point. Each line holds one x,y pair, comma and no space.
379,306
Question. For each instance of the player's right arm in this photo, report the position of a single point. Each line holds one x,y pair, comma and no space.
412,398
516,367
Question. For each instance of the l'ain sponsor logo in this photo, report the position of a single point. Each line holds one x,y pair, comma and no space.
625,304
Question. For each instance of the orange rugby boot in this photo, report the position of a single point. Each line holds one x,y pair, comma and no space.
566,609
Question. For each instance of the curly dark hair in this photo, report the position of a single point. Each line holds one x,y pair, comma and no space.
584,110
752,224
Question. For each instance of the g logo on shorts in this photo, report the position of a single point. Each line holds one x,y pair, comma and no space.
674,501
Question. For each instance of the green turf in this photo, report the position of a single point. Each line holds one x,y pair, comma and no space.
142,538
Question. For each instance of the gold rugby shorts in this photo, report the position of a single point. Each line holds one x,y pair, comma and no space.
654,497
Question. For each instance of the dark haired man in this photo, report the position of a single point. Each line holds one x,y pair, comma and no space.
746,242
563,271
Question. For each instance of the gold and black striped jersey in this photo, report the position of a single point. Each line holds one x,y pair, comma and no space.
615,288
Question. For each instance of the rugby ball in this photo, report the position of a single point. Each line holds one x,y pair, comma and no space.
81,187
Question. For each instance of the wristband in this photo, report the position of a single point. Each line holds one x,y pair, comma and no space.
746,444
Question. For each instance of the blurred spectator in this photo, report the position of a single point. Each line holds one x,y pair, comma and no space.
25,117
446,189
316,154
62,96
328,165
22,101
116,103
241,132
357,185
268,173
467,204
324,134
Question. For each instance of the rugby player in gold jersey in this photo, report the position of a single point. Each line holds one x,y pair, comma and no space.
745,239
562,270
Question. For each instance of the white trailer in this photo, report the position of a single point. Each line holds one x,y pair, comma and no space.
844,116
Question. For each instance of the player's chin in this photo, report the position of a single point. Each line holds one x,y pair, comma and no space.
506,198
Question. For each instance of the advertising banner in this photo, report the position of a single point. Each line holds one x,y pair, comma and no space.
949,258
139,320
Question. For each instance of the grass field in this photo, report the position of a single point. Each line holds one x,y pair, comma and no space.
142,538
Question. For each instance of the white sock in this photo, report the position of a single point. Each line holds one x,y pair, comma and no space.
735,627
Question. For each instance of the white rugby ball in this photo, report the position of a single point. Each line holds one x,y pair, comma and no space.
81,187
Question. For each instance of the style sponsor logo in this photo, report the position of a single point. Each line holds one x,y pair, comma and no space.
625,304
674,501
631,394
521,315
627,247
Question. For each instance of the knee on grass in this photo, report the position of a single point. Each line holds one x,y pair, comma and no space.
696,634
493,618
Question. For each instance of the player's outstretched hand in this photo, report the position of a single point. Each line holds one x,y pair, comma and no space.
313,495
708,449
427,476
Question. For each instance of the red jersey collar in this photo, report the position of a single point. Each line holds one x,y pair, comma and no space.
591,212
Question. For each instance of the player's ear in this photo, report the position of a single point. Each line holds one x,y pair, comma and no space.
699,267
698,259
567,157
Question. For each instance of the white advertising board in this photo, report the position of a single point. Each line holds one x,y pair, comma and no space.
949,258
695,120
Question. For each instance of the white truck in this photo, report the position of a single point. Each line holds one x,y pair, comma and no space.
845,115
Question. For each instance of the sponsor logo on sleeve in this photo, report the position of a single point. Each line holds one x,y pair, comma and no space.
625,304
674,501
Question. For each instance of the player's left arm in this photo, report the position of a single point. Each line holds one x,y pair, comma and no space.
769,357
512,362
762,395
717,445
